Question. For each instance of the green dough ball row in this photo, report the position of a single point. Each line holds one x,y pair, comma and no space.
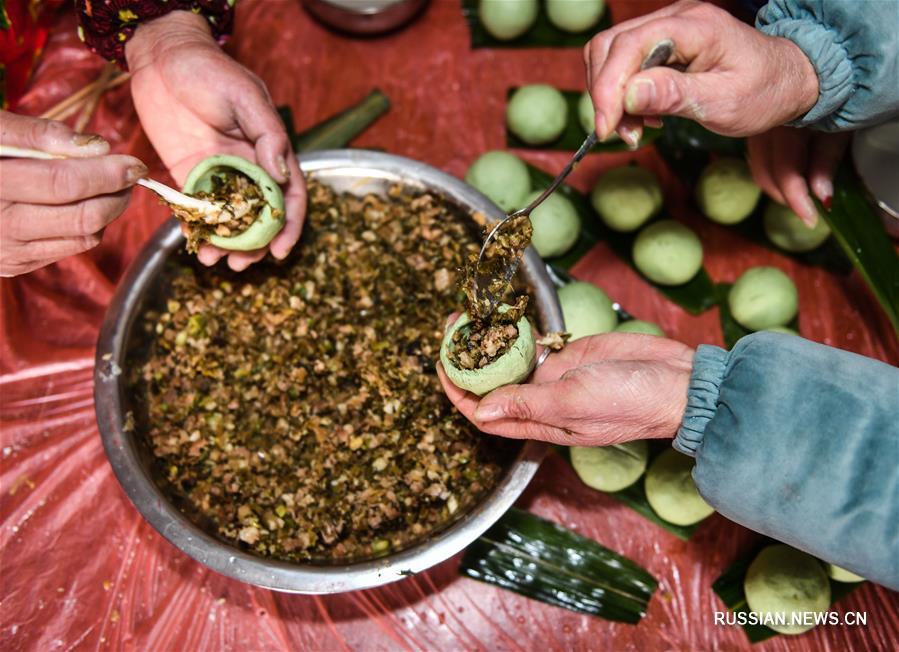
668,253
610,468
507,19
726,192
784,580
503,177
627,197
556,224
586,309
763,298
513,366
537,114
642,327
671,492
574,15
784,228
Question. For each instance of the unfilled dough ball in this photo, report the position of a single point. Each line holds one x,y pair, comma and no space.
556,224
587,310
763,297
501,176
668,253
784,228
574,15
726,192
642,327
626,197
507,19
537,114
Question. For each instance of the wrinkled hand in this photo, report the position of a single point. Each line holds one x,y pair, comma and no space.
787,162
51,209
732,78
194,101
598,390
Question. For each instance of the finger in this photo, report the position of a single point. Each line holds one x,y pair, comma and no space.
759,151
47,251
66,181
826,154
630,129
48,136
788,166
665,91
26,222
465,402
295,209
240,260
210,255
261,125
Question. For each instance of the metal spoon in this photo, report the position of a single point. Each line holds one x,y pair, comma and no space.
484,279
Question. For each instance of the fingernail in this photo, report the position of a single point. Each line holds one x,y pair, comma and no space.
136,172
488,413
282,165
603,127
631,137
828,202
88,140
640,95
810,216
824,191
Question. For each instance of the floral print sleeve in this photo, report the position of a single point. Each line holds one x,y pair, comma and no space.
106,25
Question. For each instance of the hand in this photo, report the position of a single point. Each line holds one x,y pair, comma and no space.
785,162
598,390
734,79
194,101
51,209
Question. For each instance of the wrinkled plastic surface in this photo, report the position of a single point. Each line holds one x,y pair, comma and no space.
82,570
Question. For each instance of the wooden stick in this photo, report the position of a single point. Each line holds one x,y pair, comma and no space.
76,98
75,108
91,101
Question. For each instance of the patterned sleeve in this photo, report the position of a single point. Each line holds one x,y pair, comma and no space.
106,25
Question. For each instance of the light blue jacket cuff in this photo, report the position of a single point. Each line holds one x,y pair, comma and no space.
709,364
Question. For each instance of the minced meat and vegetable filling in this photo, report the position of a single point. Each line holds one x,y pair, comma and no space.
296,408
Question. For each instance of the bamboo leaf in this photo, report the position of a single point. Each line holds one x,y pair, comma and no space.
542,35
338,130
544,561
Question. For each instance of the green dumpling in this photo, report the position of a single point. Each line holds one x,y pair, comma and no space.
501,176
642,327
537,114
842,575
507,19
671,492
556,224
586,309
783,330
627,197
610,468
586,114
574,15
784,228
762,298
668,253
726,192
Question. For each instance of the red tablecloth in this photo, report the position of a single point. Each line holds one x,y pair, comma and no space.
82,570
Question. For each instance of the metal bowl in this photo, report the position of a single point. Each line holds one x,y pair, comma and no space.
358,172
365,17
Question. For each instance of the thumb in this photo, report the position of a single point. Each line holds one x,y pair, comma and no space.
541,403
665,91
49,136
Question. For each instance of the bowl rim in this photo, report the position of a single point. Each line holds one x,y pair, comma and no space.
122,449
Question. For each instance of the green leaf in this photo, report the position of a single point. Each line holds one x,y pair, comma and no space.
730,328
696,296
863,237
542,35
635,496
573,136
729,587
544,561
338,130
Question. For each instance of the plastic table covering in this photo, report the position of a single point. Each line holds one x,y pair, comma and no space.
82,570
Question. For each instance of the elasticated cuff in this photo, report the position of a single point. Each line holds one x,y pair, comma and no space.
836,83
709,363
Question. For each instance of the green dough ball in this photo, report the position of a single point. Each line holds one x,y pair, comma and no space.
574,15
507,19
586,114
501,176
782,329
637,326
842,575
556,224
587,310
784,228
267,225
763,297
671,492
668,253
537,114
513,366
610,468
626,197
784,580
726,192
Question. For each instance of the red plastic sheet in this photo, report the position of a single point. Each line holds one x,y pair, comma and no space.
82,570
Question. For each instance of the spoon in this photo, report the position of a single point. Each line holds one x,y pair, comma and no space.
485,277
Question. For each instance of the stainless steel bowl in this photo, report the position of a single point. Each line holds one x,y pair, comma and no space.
355,171
365,17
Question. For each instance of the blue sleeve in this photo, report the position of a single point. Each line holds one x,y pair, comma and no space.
855,51
800,441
